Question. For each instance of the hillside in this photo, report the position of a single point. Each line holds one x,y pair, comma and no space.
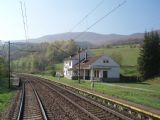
129,55
91,38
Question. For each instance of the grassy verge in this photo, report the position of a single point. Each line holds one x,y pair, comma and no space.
145,93
5,94
59,66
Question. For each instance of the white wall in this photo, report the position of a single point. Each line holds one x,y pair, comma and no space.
110,63
73,61
114,73
113,67
100,73
67,66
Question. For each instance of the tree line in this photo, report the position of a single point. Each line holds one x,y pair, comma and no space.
3,67
149,58
45,56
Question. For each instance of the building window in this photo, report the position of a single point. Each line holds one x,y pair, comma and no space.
105,61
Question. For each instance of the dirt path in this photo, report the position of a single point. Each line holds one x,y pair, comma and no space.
142,89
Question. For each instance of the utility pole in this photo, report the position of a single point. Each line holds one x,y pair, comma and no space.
79,65
9,67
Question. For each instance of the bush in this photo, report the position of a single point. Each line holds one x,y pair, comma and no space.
53,73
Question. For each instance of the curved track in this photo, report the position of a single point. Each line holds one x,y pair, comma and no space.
43,99
46,100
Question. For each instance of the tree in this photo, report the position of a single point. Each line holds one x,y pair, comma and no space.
3,66
48,55
149,58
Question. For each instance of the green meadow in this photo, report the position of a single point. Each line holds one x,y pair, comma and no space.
129,54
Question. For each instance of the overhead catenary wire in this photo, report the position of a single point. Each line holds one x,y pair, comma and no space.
62,50
22,50
88,14
26,21
100,19
23,20
24,16
114,9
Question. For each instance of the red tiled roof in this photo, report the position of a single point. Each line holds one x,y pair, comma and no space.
87,62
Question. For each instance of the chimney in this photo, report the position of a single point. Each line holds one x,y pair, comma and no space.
86,55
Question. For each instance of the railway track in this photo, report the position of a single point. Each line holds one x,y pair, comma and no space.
62,102
122,108
30,107
57,106
92,109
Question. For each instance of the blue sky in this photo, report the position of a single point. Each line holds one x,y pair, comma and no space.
59,16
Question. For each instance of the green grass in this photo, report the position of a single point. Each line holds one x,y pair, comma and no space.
145,93
5,94
59,66
129,71
129,55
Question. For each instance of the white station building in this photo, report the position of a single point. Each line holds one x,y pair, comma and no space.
102,68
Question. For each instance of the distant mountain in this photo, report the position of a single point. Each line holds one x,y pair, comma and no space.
92,39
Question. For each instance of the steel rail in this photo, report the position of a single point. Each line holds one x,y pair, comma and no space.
40,103
69,100
135,112
21,108
114,113
142,114
21,102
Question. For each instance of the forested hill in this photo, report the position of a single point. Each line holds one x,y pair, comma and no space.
93,38
43,57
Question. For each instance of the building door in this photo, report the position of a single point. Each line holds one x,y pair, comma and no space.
105,74
87,74
96,73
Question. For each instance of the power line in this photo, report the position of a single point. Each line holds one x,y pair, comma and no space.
62,50
114,9
89,13
13,44
22,50
26,19
23,20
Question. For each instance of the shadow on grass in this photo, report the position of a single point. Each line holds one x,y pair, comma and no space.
142,83
129,80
